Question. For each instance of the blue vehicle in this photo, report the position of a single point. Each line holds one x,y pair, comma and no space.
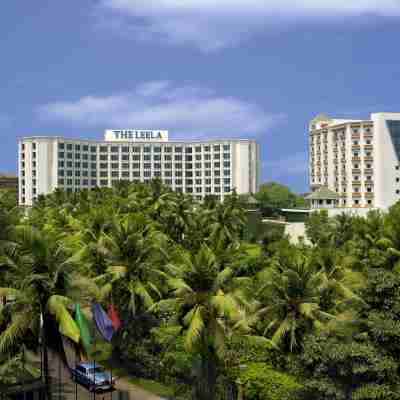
91,375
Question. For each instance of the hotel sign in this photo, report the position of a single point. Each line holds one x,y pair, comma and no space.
134,135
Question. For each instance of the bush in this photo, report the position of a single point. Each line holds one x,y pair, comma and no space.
261,382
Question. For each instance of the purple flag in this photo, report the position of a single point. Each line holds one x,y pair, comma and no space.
103,322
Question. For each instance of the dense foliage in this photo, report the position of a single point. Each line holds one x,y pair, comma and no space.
203,310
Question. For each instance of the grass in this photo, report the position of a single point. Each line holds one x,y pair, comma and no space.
151,386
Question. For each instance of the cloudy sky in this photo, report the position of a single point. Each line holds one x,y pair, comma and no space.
199,68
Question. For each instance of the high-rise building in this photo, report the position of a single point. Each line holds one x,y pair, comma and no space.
199,167
357,159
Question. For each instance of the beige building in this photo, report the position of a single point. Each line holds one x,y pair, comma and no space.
357,159
199,167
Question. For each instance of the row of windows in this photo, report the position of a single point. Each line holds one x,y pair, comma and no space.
93,172
146,149
146,157
105,182
85,165
137,174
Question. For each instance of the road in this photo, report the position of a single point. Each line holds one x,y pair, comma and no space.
63,388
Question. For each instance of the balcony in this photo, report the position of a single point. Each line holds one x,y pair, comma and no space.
342,160
368,147
356,147
356,195
355,136
356,183
356,171
368,158
369,195
368,171
369,183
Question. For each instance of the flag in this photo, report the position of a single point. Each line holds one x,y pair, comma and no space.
112,313
103,322
83,326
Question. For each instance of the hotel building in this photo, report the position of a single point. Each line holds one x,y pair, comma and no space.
201,168
357,159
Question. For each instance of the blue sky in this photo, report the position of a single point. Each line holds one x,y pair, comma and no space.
199,68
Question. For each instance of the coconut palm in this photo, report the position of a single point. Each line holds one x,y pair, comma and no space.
203,309
289,302
40,271
137,252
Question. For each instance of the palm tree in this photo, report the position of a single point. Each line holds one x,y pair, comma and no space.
289,302
137,252
226,222
203,309
40,271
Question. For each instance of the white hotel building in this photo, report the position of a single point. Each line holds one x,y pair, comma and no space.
201,168
357,159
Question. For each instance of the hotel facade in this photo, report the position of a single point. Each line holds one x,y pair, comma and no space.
357,159
201,168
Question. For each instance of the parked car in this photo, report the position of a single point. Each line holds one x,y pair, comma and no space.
93,376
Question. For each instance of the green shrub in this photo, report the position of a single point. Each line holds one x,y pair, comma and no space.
261,382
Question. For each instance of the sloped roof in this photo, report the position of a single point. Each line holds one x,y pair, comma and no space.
323,193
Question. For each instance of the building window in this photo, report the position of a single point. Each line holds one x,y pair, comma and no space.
93,182
136,149
103,182
168,149
178,158
103,174
216,147
114,166
114,174
103,157
114,157
227,189
93,149
157,149
147,149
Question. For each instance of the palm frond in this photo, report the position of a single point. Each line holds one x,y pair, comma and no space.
195,329
19,326
57,306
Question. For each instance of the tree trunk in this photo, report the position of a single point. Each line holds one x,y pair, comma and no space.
206,379
46,370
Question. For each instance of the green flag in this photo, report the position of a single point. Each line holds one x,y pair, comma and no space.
83,326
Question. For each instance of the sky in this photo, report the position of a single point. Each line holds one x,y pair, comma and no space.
198,68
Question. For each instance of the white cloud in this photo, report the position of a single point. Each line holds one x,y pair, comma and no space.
293,164
211,25
186,110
